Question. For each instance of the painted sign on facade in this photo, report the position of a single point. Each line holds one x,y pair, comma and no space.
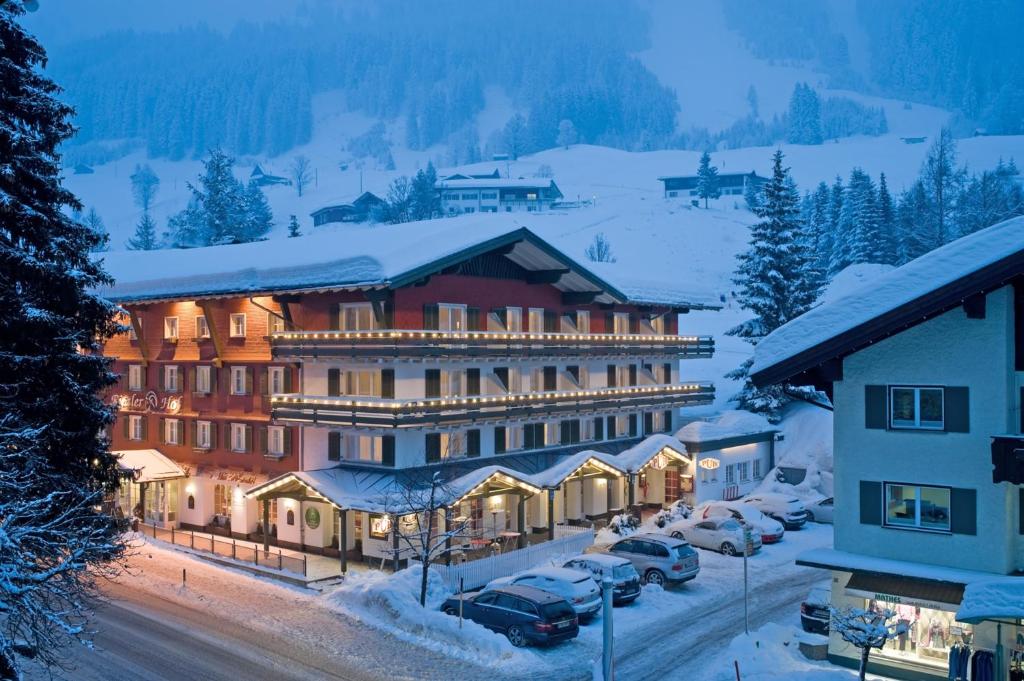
148,402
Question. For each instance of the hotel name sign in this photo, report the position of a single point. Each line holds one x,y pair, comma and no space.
150,401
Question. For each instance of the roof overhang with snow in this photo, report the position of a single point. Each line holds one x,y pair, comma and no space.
810,349
147,465
584,464
657,451
998,599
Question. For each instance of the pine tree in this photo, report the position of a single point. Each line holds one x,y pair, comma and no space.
566,134
942,181
858,221
94,222
55,463
707,179
257,219
514,136
144,238
144,186
820,223
424,202
886,223
803,120
293,226
772,276
839,255
752,196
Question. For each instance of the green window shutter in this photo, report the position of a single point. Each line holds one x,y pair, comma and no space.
550,321
145,428
333,382
194,435
431,317
609,322
632,374
963,511
264,380
334,446
432,383
473,319
334,323
248,380
161,374
387,450
191,380
432,445
611,428
648,423
473,442
957,410
1020,510
287,379
472,382
162,423
632,425
248,439
181,431
668,420
499,448
875,407
550,379
125,425
387,383
612,376
213,435
599,428
870,502
263,437
288,441
565,434
389,315
213,380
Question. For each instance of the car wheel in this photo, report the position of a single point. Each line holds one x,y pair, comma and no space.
451,611
516,636
655,577
677,534
728,549
810,517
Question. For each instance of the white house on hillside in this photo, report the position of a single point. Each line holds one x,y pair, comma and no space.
925,369
461,194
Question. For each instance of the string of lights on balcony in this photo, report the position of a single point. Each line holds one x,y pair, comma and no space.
484,335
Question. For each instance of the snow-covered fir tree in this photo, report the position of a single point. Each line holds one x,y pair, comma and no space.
773,280
55,463
707,179
888,238
567,135
858,221
144,238
94,222
424,202
803,120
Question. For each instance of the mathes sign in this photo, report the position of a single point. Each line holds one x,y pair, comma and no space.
148,402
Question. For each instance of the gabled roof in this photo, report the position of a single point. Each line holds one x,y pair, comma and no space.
567,467
360,257
147,465
358,203
638,456
496,183
721,176
920,290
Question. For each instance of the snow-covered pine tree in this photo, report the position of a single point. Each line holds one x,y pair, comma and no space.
256,218
772,280
424,202
293,226
752,196
707,179
803,119
93,221
819,221
55,464
838,256
886,223
915,237
144,238
858,221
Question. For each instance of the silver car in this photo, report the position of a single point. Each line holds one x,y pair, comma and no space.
717,534
821,511
658,558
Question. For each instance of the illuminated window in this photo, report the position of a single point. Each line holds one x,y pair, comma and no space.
222,500
204,435
275,323
239,437
204,381
238,325
357,317
918,408
171,328
276,376
172,379
202,328
451,317
136,429
135,377
172,431
917,507
275,440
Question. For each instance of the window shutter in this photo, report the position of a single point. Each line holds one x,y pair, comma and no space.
431,317
963,511
599,428
433,447
334,323
609,322
667,372
248,380
668,420
161,376
144,376
334,446
957,410
288,441
550,321
472,382
875,407
550,378
1020,510
389,314
387,383
287,379
248,438
194,435
648,423
612,376
499,448
870,503
565,432
632,374
387,450
264,380
213,380
473,318
125,425
163,430
191,379
145,427
611,428
213,435
432,380
333,382
263,435
180,427
632,425
473,442
634,323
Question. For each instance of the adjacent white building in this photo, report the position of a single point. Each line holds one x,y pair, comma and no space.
460,194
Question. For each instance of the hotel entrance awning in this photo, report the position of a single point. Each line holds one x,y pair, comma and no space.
147,465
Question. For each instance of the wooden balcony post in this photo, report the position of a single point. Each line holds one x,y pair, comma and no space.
266,526
551,514
521,520
343,539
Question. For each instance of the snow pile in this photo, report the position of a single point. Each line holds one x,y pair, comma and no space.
806,443
1002,598
391,602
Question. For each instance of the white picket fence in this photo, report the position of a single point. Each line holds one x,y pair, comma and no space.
477,573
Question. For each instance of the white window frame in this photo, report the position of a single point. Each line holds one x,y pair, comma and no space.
236,372
357,310
204,379
238,438
275,323
583,321
204,440
730,474
237,326
202,326
171,431
620,323
363,448
454,444
514,317
364,382
171,328
275,440
275,380
917,424
756,469
135,428
917,526
169,371
135,377
743,471
452,317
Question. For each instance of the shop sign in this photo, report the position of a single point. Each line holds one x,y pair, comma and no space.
659,462
380,525
147,402
896,599
709,463
312,518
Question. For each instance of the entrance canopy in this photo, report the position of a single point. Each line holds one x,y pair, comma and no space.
656,452
896,589
587,464
147,465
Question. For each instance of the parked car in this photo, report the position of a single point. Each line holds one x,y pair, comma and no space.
820,511
787,509
815,612
658,558
576,586
523,613
624,576
771,530
717,534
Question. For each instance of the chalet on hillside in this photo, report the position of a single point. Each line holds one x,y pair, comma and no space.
496,194
728,183
263,179
358,210
460,176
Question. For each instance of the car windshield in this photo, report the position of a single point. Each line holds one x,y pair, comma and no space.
556,611
626,571
730,525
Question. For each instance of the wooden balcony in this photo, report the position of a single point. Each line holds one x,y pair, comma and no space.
421,345
400,413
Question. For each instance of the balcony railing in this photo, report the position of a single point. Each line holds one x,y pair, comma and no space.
407,344
375,412
1008,459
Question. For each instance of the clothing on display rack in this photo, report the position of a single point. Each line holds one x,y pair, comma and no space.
959,661
983,667
1017,665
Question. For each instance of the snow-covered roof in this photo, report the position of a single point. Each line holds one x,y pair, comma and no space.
495,183
730,424
555,475
639,455
602,559
856,562
923,287
998,598
147,465
679,292
361,256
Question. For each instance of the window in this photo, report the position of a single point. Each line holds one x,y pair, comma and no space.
368,448
365,383
583,321
172,431
469,197
289,517
275,380
202,328
489,196
135,377
238,325
620,323
275,440
239,380
451,317
357,317
453,445
131,328
730,474
203,383
380,525
172,383
514,319
920,408
917,507
744,470
222,500
204,435
757,469
536,319
239,437
135,428
275,323
170,328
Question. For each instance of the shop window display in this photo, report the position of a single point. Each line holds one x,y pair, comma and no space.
930,635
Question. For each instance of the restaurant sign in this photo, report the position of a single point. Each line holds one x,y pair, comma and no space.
147,402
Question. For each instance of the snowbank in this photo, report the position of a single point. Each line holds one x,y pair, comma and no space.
731,423
807,443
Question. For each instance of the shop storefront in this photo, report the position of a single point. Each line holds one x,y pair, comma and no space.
151,488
